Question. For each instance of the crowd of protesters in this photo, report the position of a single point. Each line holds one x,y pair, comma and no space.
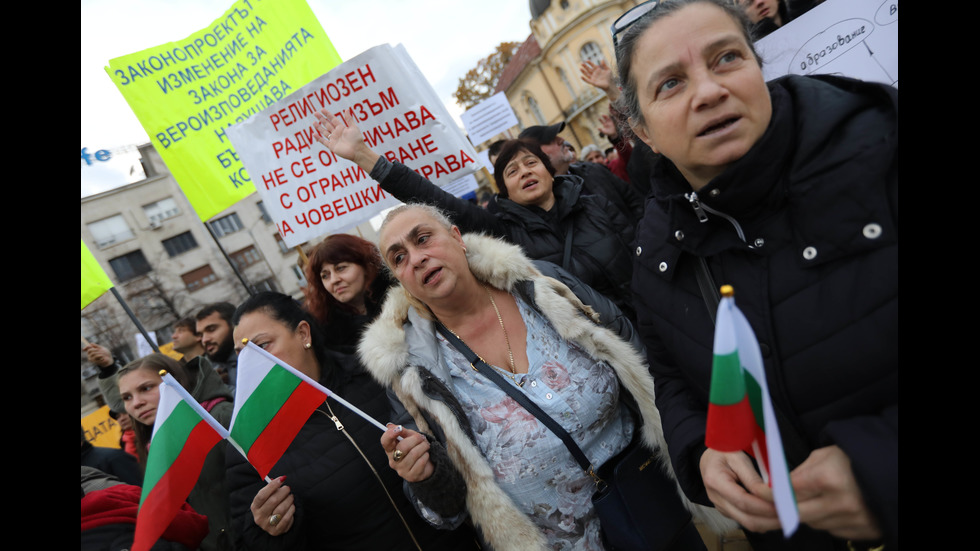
589,287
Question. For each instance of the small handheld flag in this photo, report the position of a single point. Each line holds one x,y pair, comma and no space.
273,401
183,435
740,413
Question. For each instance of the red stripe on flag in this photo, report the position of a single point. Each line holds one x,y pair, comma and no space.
731,428
282,429
170,492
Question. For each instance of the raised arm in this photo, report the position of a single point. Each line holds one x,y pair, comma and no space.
344,138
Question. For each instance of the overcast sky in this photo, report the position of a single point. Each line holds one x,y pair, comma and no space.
445,39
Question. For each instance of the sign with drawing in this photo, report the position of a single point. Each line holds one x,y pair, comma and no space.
854,38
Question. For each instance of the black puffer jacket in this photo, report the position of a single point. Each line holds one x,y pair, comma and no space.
340,505
809,241
599,180
600,234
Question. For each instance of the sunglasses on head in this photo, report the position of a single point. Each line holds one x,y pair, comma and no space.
631,15
623,22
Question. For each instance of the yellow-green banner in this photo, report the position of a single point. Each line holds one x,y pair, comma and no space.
95,282
185,93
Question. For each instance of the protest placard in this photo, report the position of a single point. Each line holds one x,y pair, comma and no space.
186,93
854,38
309,191
488,118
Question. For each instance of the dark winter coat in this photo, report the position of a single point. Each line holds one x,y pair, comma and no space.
340,504
600,235
599,180
805,228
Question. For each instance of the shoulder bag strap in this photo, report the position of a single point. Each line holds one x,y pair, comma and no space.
567,256
477,363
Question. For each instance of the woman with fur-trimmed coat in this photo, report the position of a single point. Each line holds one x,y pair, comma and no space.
488,458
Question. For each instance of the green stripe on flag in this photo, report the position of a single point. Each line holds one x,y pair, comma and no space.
255,414
168,443
727,380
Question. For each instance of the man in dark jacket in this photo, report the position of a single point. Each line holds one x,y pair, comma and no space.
596,179
214,326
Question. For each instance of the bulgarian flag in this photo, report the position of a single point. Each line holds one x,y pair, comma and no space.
740,413
272,403
183,434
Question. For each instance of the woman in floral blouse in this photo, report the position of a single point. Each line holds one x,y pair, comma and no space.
488,458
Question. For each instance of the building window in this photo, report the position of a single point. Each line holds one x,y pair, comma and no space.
161,210
591,52
226,224
195,279
130,265
180,243
568,85
532,105
110,230
245,257
267,285
300,276
283,248
263,213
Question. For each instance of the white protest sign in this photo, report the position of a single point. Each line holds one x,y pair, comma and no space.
142,346
854,38
461,187
307,189
490,117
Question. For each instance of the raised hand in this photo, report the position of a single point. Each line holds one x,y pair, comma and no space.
344,138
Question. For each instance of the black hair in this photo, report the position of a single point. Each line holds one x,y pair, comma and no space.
287,311
224,309
508,151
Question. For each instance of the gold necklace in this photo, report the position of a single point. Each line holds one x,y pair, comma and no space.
510,353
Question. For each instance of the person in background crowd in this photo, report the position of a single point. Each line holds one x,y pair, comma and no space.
351,288
593,154
596,180
494,150
214,326
139,389
111,460
340,494
788,192
109,509
127,438
620,158
521,485
548,215
186,339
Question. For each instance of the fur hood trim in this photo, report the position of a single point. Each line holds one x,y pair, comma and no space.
401,341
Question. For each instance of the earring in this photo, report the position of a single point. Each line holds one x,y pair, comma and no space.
308,346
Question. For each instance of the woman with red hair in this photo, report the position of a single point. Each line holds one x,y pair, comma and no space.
346,287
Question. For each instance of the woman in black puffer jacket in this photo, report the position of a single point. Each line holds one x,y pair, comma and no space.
547,215
333,483
788,191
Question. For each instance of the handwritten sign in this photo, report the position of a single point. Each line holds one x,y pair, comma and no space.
854,38
186,93
307,189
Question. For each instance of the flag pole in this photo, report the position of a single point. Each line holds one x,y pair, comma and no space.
315,385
